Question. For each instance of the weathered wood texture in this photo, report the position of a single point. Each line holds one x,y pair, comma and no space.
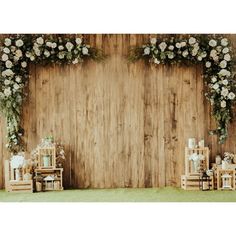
123,125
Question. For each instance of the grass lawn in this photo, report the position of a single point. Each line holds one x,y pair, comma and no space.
167,194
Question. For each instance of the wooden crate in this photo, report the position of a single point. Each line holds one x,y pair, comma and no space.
47,151
25,186
189,170
192,182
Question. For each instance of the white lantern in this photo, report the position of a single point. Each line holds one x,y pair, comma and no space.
226,181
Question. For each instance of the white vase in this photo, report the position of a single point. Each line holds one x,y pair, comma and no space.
191,142
201,143
218,160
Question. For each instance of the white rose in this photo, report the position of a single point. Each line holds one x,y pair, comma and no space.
227,57
85,51
225,82
214,79
231,95
40,40
18,53
191,40
46,53
199,58
18,79
218,48
7,92
223,104
32,58
16,86
37,52
19,43
61,55
2,95
156,61
153,40
194,52
4,57
224,92
24,64
16,58
7,81
225,50
7,42
156,51
7,72
216,58
215,86
146,51
224,72
162,46
13,48
212,43
224,42
54,45
171,55
28,54
60,47
69,46
208,64
78,41
178,45
213,53
75,61
223,64
203,54
183,44
185,53
171,47
6,50
8,64
49,44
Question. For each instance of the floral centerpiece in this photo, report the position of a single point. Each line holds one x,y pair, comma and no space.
229,157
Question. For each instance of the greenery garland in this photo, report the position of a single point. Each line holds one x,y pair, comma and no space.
216,55
16,53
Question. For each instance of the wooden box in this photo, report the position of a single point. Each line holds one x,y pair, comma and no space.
204,164
192,182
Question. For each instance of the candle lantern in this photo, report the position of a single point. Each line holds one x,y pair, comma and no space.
226,181
204,181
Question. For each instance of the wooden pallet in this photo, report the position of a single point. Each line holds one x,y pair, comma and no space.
192,182
25,186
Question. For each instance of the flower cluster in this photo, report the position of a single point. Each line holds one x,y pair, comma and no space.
16,53
215,54
229,157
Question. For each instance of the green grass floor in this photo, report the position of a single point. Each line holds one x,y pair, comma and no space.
167,194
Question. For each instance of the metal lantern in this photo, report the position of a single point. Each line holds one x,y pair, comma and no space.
204,181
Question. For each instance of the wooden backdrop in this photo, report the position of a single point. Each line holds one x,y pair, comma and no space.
123,125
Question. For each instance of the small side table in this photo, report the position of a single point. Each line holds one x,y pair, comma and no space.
220,173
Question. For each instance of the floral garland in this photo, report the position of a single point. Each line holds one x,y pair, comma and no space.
16,53
216,55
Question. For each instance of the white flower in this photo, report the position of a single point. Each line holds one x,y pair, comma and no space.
224,42
224,92
61,55
225,50
153,40
2,95
224,72
215,86
46,53
194,52
156,51
19,43
213,53
227,57
78,41
7,81
212,43
7,72
171,55
54,45
85,51
16,86
16,58
49,44
37,52
32,58
8,64
61,47
223,64
23,64
223,104
162,46
225,82
208,64
199,58
6,50
171,47
214,79
203,54
7,42
183,44
191,40
185,53
218,48
7,92
178,45
13,48
146,51
69,46
18,79
18,53
40,41
231,96
156,61
75,61
4,57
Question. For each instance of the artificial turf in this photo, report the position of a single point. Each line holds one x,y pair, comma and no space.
167,194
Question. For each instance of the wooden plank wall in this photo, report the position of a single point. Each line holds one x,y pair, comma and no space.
123,125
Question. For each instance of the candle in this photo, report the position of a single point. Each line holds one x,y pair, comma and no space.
191,142
201,143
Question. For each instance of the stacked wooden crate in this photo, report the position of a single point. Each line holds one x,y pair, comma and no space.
191,179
